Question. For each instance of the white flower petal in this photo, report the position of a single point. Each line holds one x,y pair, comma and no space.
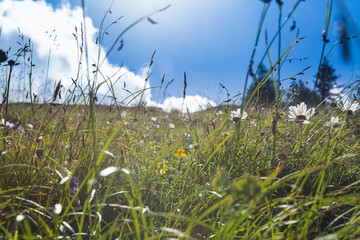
108,171
57,209
109,153
20,217
300,111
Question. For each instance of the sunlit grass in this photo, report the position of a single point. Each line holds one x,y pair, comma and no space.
206,177
87,171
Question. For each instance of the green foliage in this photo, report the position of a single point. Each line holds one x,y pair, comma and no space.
138,185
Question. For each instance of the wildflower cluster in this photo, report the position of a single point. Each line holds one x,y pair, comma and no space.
161,167
348,107
180,153
301,114
238,115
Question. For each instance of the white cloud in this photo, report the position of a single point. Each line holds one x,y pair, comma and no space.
191,103
51,32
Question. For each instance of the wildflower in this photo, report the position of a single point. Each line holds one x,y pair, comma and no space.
334,121
154,119
300,113
10,125
172,126
124,114
74,187
348,107
66,145
64,172
180,153
219,113
20,217
109,153
38,139
107,171
236,116
161,167
57,209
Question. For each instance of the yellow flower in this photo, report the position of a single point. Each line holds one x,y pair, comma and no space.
162,171
161,167
180,153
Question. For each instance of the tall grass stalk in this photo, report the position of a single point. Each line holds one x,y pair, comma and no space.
292,11
329,5
11,65
260,24
47,74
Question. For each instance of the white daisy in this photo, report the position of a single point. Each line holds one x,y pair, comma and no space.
348,107
300,113
334,121
124,114
237,116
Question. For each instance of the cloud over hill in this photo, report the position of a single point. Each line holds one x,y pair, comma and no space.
58,43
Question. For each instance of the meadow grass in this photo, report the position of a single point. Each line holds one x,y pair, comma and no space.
87,171
136,182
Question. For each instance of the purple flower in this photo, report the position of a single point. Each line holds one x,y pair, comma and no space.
11,125
66,145
20,128
74,187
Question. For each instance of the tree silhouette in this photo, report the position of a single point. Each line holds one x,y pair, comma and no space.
265,94
302,93
326,79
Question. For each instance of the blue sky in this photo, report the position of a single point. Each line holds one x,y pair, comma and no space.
212,40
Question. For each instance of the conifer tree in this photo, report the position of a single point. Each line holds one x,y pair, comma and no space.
266,93
325,80
302,93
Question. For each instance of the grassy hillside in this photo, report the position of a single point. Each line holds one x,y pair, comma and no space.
265,170
143,173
